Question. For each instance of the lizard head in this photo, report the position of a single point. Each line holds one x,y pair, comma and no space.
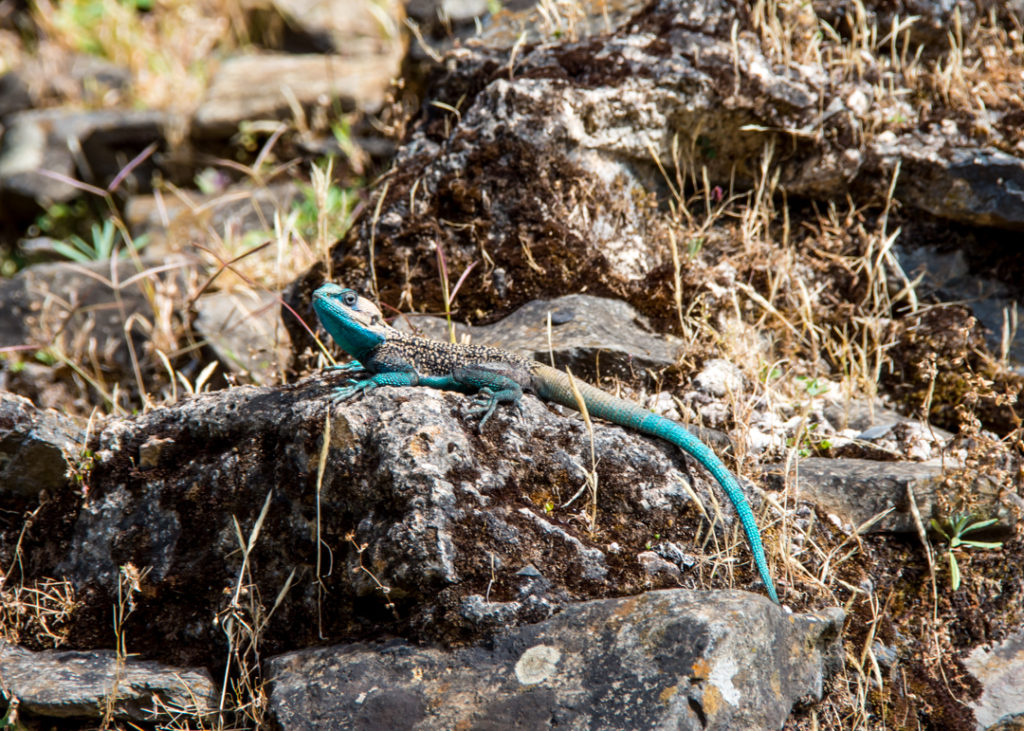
354,322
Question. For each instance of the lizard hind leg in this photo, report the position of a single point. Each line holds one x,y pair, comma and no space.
492,389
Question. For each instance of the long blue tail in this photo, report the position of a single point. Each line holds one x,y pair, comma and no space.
553,385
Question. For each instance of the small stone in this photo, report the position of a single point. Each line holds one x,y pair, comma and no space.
657,567
719,378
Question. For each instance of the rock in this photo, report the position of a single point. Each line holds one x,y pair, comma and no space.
931,24
69,684
862,414
245,331
313,81
544,175
1008,723
457,12
78,308
52,76
719,378
948,276
354,28
14,95
412,499
858,490
656,566
37,448
999,669
590,335
91,146
958,182
667,659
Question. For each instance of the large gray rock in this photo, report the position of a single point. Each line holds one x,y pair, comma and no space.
412,498
672,659
68,684
545,174
545,171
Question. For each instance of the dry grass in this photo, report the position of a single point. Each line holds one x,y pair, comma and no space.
167,49
974,72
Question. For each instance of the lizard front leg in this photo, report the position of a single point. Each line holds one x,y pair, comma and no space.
353,366
392,378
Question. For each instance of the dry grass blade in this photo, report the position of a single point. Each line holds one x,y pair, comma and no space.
132,164
320,544
591,476
373,237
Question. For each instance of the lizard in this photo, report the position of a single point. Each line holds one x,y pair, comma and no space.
495,376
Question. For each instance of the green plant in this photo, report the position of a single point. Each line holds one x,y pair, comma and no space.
338,205
103,246
813,386
953,531
809,442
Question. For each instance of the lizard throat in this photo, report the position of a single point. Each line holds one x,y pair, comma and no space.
354,338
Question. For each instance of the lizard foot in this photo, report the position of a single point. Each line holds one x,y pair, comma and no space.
353,366
352,387
487,400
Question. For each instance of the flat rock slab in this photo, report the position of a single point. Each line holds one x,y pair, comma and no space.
589,334
349,27
88,145
973,185
81,684
248,88
858,490
667,659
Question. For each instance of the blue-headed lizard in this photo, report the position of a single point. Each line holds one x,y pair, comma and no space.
394,358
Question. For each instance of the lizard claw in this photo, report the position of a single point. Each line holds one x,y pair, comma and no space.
486,403
352,387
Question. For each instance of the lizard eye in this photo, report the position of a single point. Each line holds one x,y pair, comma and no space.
349,298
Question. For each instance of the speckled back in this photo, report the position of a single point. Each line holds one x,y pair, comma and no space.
435,358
